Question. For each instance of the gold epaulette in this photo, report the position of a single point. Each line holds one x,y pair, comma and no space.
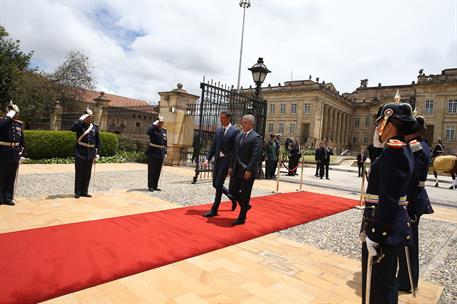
415,145
395,144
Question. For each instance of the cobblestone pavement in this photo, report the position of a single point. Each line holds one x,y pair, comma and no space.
337,233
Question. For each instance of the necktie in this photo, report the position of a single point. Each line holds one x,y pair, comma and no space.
223,131
244,137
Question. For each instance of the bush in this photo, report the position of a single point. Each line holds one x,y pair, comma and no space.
120,157
108,143
60,144
126,144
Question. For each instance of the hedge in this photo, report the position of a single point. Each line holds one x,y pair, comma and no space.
50,144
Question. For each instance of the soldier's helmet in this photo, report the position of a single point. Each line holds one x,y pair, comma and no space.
89,112
12,106
400,114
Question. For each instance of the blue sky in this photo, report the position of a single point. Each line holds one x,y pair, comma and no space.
139,48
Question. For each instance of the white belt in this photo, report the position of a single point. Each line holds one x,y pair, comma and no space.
156,146
374,199
86,145
9,144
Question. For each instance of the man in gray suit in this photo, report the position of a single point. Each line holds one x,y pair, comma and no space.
244,165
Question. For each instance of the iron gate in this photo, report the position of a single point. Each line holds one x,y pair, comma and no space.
215,99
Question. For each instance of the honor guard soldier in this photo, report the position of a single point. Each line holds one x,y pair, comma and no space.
11,149
418,204
87,150
386,224
156,152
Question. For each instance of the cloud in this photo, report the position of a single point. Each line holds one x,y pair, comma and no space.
139,48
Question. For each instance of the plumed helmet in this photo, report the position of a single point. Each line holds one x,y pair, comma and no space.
89,112
398,112
12,106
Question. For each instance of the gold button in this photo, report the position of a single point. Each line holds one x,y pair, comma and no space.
373,230
408,237
384,233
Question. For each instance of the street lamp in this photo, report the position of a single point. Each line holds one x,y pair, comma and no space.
259,73
244,4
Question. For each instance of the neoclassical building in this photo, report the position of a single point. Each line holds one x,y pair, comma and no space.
314,111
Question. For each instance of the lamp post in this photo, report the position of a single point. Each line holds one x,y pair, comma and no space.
244,4
259,73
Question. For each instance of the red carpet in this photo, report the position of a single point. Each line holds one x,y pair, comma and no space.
40,264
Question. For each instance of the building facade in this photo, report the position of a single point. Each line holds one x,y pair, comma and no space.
315,112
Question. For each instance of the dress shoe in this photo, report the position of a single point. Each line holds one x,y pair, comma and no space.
157,189
327,178
151,189
233,201
436,185
451,187
86,195
238,222
210,214
77,195
9,203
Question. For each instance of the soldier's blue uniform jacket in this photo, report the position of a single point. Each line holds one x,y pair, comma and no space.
386,219
419,202
11,133
90,144
158,139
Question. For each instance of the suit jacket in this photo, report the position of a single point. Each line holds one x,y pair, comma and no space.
361,158
246,155
92,138
157,137
223,143
11,132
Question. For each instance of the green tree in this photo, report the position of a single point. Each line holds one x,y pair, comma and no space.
72,77
35,94
13,61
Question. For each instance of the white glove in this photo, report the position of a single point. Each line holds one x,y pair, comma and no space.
11,114
165,155
376,142
97,157
21,160
371,247
84,116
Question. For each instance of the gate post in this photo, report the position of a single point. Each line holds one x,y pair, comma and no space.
100,103
180,127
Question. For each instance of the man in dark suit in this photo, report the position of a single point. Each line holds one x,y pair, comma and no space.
156,153
11,149
361,159
326,152
87,151
221,150
244,164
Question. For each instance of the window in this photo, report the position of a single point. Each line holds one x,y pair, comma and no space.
357,121
292,129
272,108
354,140
138,124
365,140
283,108
293,108
281,128
270,127
428,106
450,133
367,121
306,108
452,106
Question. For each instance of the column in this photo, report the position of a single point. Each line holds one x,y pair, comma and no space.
343,131
338,126
334,126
